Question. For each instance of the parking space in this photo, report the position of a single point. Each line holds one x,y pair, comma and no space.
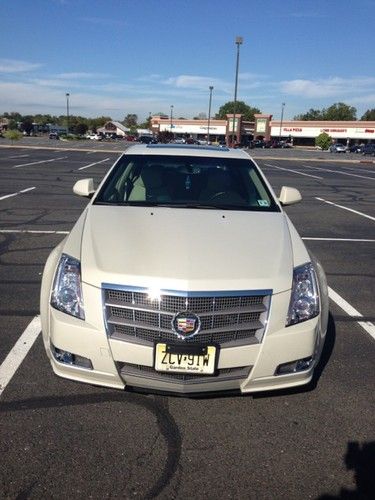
66,439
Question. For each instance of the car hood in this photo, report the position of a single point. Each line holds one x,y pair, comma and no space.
186,249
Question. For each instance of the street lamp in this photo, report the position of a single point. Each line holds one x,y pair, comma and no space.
281,121
171,116
209,115
67,112
239,41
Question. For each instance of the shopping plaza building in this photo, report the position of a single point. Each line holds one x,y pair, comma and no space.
235,128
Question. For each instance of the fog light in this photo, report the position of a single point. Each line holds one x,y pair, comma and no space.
68,358
299,365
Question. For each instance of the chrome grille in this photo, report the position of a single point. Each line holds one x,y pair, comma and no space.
130,370
135,317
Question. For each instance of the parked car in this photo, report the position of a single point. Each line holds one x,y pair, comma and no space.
337,148
159,286
54,135
355,148
369,149
256,144
94,137
145,139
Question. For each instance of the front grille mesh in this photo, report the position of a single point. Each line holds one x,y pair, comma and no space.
127,370
225,319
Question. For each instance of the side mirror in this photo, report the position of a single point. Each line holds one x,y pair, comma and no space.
289,196
84,187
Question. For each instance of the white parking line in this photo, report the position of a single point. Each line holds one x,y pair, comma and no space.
18,156
38,162
356,169
345,306
357,240
18,192
18,353
92,164
346,208
294,171
30,231
340,172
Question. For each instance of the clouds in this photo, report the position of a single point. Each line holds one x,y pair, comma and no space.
16,66
27,87
334,87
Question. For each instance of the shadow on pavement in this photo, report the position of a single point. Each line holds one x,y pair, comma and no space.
361,460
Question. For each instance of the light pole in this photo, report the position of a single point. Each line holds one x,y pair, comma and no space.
209,114
281,121
239,41
171,117
67,112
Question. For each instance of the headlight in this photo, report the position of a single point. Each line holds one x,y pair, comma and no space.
304,300
67,291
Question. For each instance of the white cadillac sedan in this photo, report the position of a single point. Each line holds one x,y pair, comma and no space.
184,274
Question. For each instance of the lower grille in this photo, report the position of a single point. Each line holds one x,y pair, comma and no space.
130,370
226,318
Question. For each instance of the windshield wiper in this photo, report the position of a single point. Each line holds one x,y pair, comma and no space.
203,206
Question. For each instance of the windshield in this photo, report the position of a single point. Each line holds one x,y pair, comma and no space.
186,182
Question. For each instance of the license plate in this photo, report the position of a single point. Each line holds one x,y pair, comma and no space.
168,359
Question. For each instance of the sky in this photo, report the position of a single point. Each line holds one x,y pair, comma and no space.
116,57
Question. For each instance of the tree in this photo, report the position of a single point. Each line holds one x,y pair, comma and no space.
311,115
12,125
165,136
130,120
94,123
146,124
369,115
337,112
81,128
323,141
241,108
340,112
27,125
12,135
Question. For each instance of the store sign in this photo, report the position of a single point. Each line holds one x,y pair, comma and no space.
261,125
335,133
334,130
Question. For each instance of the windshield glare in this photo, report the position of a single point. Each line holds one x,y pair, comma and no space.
186,181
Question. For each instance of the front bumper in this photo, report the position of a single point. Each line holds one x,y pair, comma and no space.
117,363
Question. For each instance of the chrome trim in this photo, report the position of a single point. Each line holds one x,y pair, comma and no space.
182,293
130,371
130,314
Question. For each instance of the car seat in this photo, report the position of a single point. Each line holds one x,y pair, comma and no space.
153,180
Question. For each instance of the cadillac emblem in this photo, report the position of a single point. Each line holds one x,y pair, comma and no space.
186,324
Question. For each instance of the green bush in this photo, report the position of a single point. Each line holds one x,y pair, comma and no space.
12,135
323,141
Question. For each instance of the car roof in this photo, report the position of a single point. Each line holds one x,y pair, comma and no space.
186,150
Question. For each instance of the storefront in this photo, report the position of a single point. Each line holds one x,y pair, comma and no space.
297,132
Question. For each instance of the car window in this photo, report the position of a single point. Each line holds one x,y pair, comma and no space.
186,181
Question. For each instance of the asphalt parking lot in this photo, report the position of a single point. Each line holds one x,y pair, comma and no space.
62,439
